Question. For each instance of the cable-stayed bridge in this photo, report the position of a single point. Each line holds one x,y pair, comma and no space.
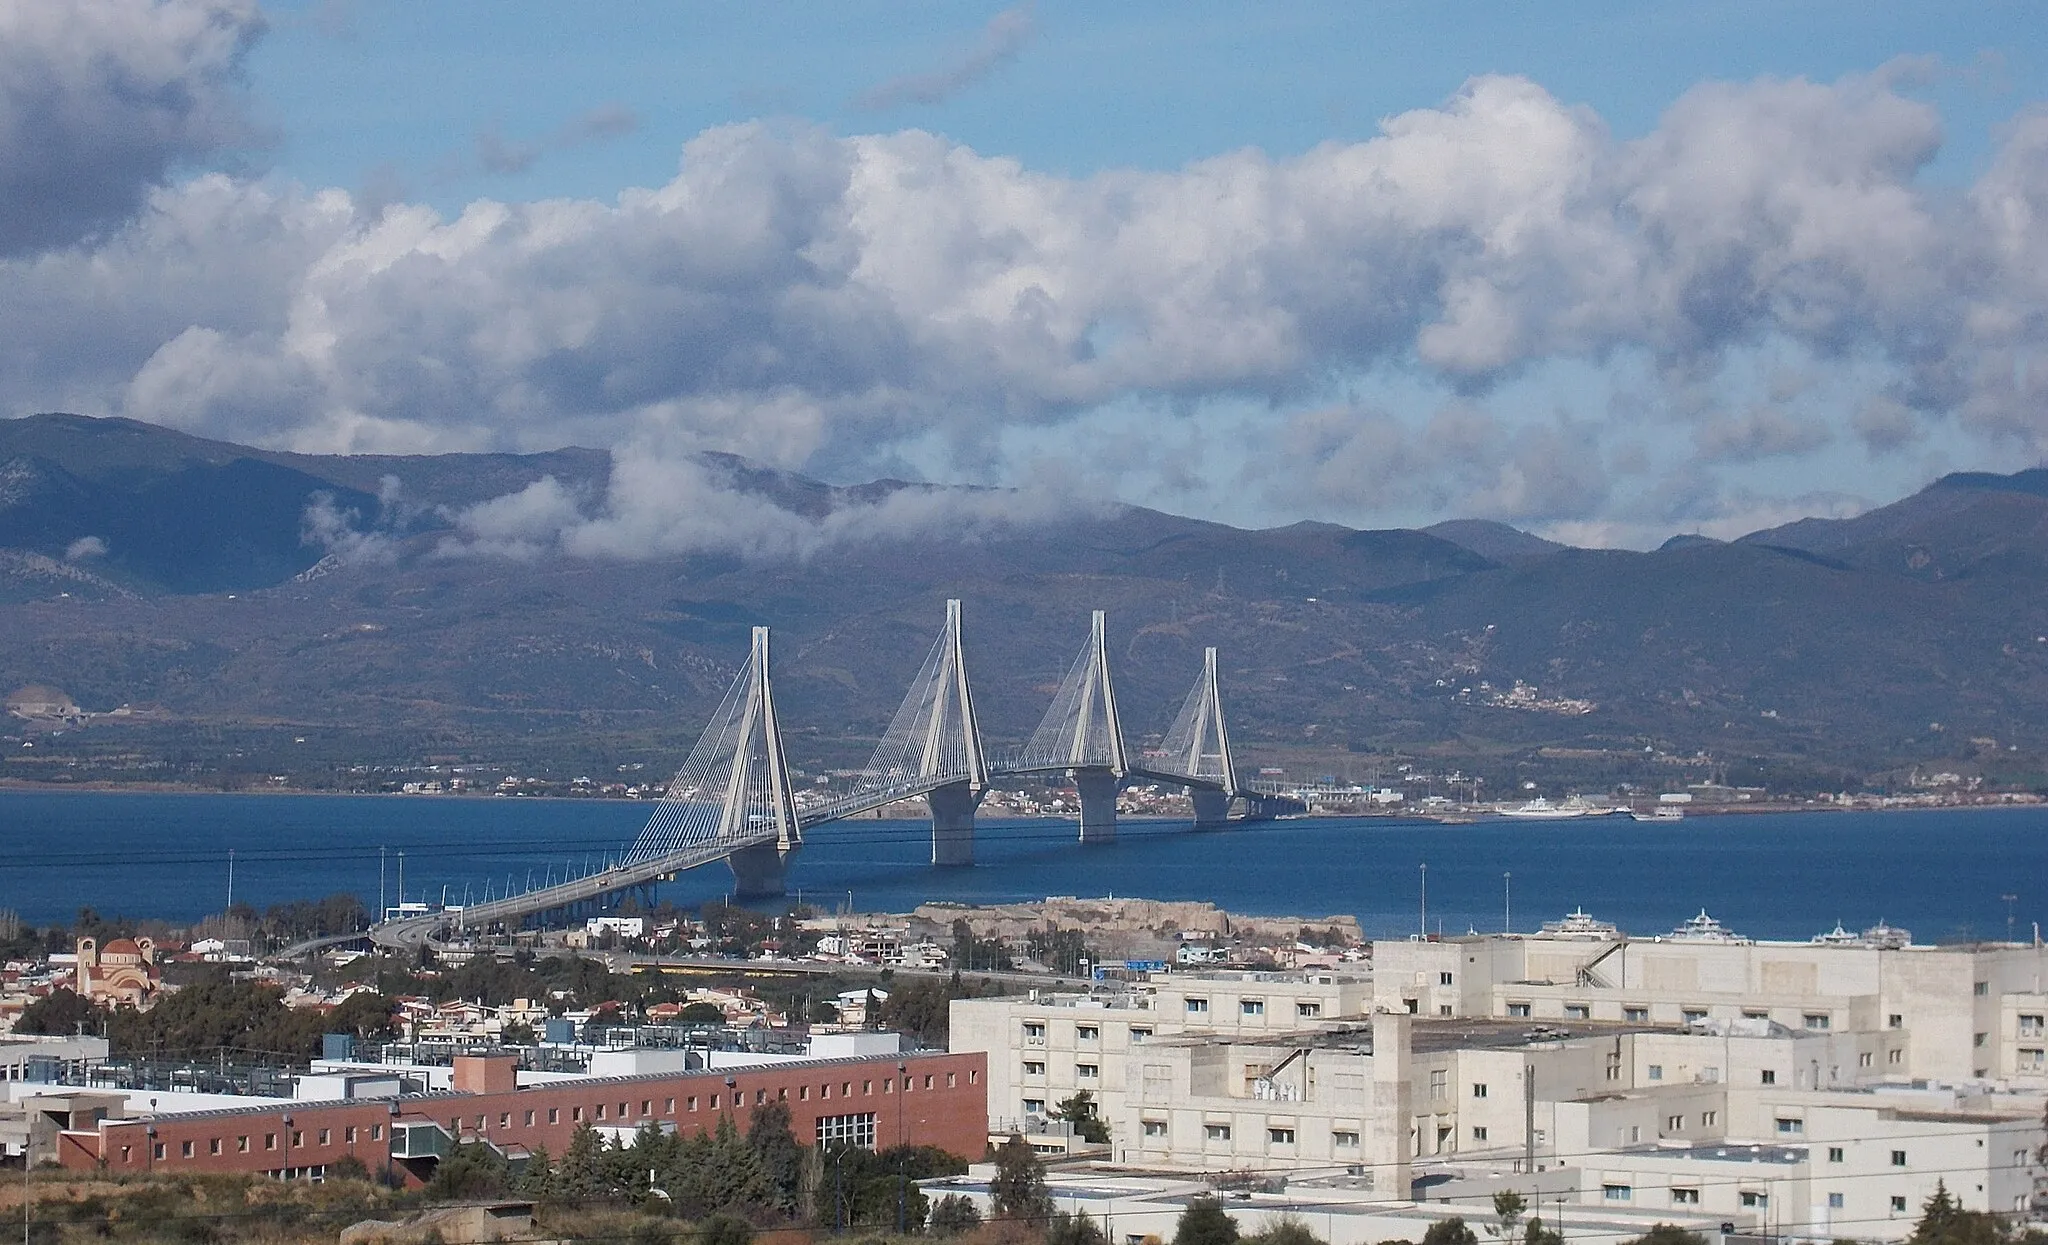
732,798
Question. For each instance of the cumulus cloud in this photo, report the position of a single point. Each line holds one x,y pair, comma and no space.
1001,40
100,100
842,304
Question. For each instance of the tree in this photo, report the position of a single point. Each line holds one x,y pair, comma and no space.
1669,1234
1074,1229
1205,1222
582,1173
781,1158
1079,1111
470,1171
1534,1233
1450,1231
1508,1209
725,1229
701,1013
61,1012
1943,1221
1288,1229
954,1214
1017,1191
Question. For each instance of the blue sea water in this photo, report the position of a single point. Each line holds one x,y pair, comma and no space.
1943,874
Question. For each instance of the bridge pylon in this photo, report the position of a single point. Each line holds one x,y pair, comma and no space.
933,749
734,789
1198,745
1082,735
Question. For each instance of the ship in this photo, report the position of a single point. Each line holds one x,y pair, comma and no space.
1540,809
1703,928
1577,926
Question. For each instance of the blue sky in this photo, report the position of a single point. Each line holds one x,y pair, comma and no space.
1606,271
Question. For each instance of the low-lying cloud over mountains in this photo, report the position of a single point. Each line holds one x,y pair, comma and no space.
1494,307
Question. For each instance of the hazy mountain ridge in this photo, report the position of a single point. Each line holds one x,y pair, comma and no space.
1847,644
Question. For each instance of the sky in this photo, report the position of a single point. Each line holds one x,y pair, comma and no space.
1608,272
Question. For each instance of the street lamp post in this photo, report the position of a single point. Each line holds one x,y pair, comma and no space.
902,1178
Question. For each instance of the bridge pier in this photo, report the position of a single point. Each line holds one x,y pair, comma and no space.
952,808
1098,788
759,871
1212,807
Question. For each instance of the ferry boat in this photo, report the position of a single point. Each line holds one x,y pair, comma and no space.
1663,812
1703,928
1540,809
1577,926
1881,935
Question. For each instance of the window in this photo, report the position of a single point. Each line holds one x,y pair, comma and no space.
1837,1155
1748,1014
1087,1033
1479,1089
1614,1065
1790,1127
1656,1071
1252,1007
1140,1036
1980,989
867,1088
576,1113
1898,1205
668,1106
1895,1021
1695,1015
1034,1106
1819,1020
2032,1058
1835,1201
1478,1132
1577,1011
185,1150
1344,1139
1674,1123
1616,1192
1898,1158
1519,1010
1155,1128
853,1130
1709,1118
2031,1026
298,1137
1443,1009
1280,1136
213,1146
1308,1011
646,1107
1086,1071
241,1145
1770,1076
600,1106
1753,1198
157,1150
1410,1004
1685,1197
555,1113
1216,1132
1636,1015
1032,1067
1443,979
1439,1084
1034,1032
1895,1056
1864,1059
1977,1040
1198,1007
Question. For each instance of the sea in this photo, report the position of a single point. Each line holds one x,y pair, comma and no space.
1944,874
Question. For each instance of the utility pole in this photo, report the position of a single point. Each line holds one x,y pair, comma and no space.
231,889
1425,900
1507,903
382,907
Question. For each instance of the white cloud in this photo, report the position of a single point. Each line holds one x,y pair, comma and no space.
100,100
832,303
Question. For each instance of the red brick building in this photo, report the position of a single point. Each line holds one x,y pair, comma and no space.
919,1099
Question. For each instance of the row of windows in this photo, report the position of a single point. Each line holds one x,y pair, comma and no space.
1693,1015
1034,1033
1752,1199
598,1111
1278,1135
1303,1010
1082,1071
243,1143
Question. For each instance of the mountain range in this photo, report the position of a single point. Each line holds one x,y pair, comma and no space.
184,582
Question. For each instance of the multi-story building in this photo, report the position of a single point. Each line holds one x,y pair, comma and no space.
1957,1012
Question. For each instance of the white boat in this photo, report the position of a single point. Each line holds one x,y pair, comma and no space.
1663,812
1578,926
1703,928
1540,809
